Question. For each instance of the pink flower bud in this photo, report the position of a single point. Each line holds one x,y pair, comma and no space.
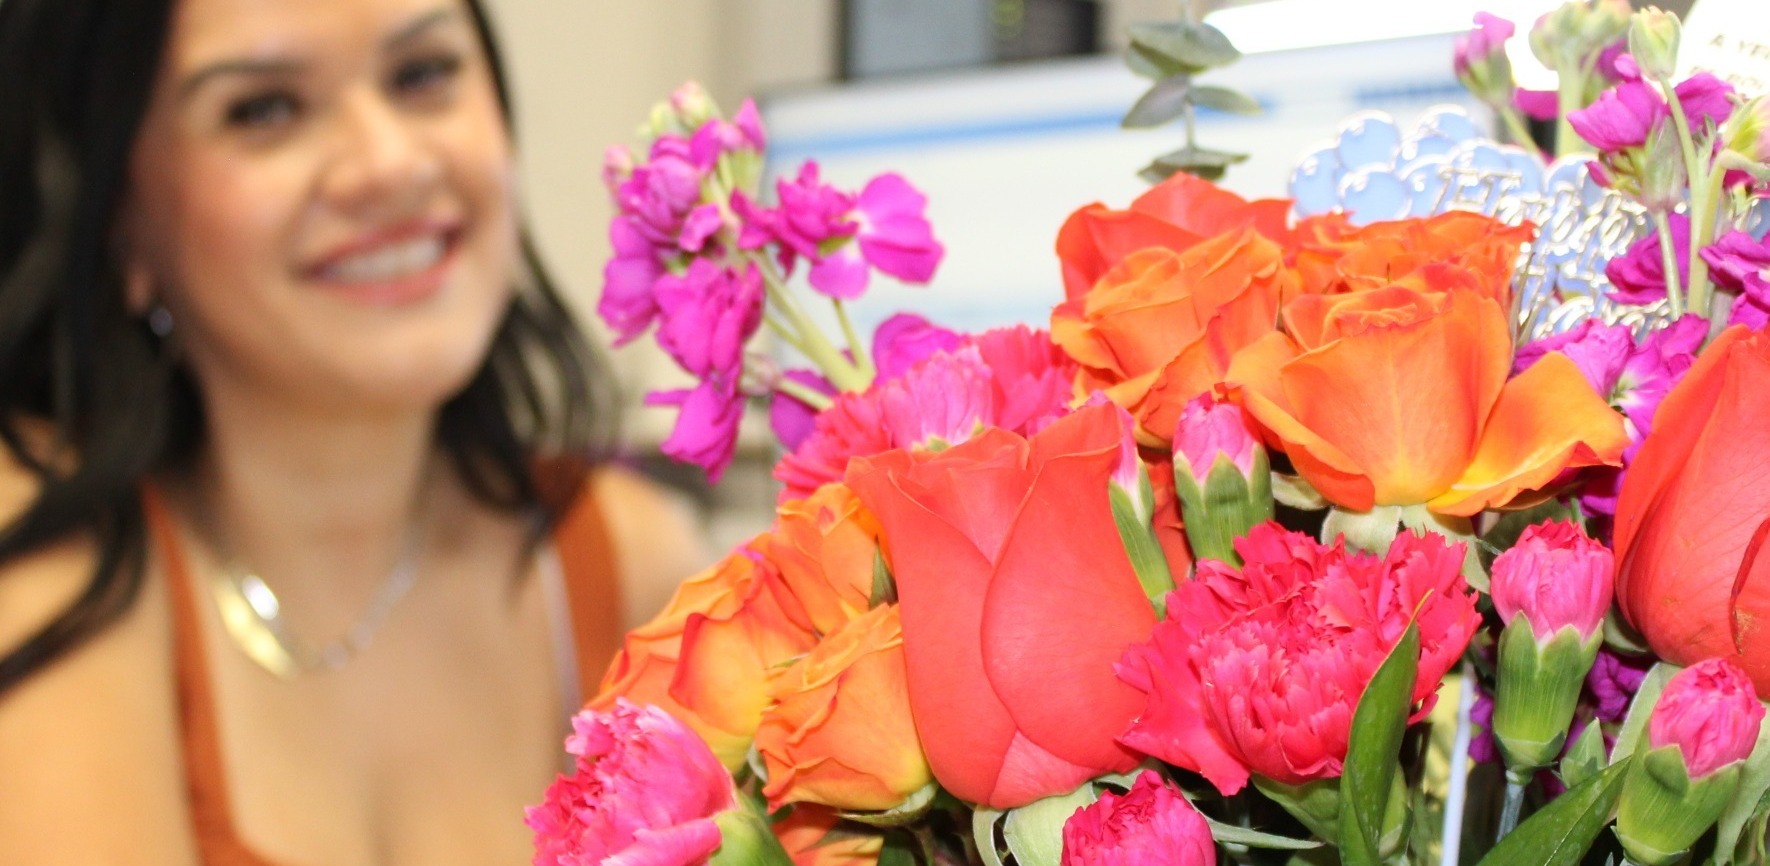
646,789
1150,824
1557,577
1209,427
1710,711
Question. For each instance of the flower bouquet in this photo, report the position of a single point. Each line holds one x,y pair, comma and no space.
1183,578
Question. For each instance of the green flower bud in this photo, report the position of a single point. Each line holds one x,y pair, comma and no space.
1663,811
1653,40
1536,692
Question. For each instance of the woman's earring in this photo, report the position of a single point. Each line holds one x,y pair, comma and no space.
159,320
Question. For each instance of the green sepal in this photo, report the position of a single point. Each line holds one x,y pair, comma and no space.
1373,799
1229,834
1537,691
983,834
1562,832
1226,507
1634,726
1585,758
1138,537
1747,804
884,584
914,808
1034,832
746,840
1316,805
1663,811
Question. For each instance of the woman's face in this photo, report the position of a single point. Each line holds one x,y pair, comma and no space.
321,196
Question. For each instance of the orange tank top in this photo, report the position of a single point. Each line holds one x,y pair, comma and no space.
586,560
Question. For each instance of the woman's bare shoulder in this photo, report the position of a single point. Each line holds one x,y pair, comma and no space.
95,732
658,538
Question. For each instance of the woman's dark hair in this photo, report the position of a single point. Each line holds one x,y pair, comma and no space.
75,78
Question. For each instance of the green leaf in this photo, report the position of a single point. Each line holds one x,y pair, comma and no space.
1754,785
1035,831
1189,157
1229,834
1224,99
1373,755
899,850
1564,830
1585,757
1165,100
1184,44
884,585
1147,64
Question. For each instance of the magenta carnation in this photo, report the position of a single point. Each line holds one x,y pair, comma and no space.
645,790
1711,713
1557,578
1152,824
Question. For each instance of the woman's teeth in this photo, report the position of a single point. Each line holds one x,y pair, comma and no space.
387,263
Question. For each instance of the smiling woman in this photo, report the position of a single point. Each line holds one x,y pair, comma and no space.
302,549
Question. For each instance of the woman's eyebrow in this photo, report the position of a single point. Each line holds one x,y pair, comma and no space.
287,67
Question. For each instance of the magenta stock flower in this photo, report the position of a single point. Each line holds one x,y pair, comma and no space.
1556,577
905,339
627,304
1621,118
1707,101
1742,263
1259,670
1482,44
707,422
1711,712
708,314
791,418
886,223
1639,275
1152,824
1210,427
717,137
1597,349
645,790
1537,104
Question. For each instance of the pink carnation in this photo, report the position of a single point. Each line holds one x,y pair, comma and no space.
645,790
1711,713
1259,670
1152,824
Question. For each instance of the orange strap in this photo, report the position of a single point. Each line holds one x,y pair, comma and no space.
587,558
205,776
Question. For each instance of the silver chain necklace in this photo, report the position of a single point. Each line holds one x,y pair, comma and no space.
253,617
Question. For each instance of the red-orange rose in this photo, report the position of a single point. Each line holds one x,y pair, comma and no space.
1017,597
1694,513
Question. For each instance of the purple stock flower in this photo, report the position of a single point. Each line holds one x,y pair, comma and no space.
627,303
708,314
1742,263
1639,275
793,419
1597,349
1613,681
706,426
906,338
1622,117
1537,104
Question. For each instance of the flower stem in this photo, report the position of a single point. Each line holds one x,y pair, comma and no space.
816,347
1702,204
1509,811
1516,127
862,358
1569,96
817,400
1668,257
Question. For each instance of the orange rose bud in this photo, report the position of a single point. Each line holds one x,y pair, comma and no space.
1161,327
840,732
707,658
825,546
1400,397
805,833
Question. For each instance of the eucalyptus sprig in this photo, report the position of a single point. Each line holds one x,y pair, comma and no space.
1172,54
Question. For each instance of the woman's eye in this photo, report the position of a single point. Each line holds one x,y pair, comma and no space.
426,76
262,111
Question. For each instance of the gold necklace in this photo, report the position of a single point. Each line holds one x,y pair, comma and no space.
253,617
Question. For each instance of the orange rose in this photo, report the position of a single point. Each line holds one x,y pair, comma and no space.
840,732
707,658
824,546
1176,214
805,833
1692,521
1400,397
1161,327
1466,250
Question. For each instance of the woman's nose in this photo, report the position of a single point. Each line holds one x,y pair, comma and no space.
381,162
